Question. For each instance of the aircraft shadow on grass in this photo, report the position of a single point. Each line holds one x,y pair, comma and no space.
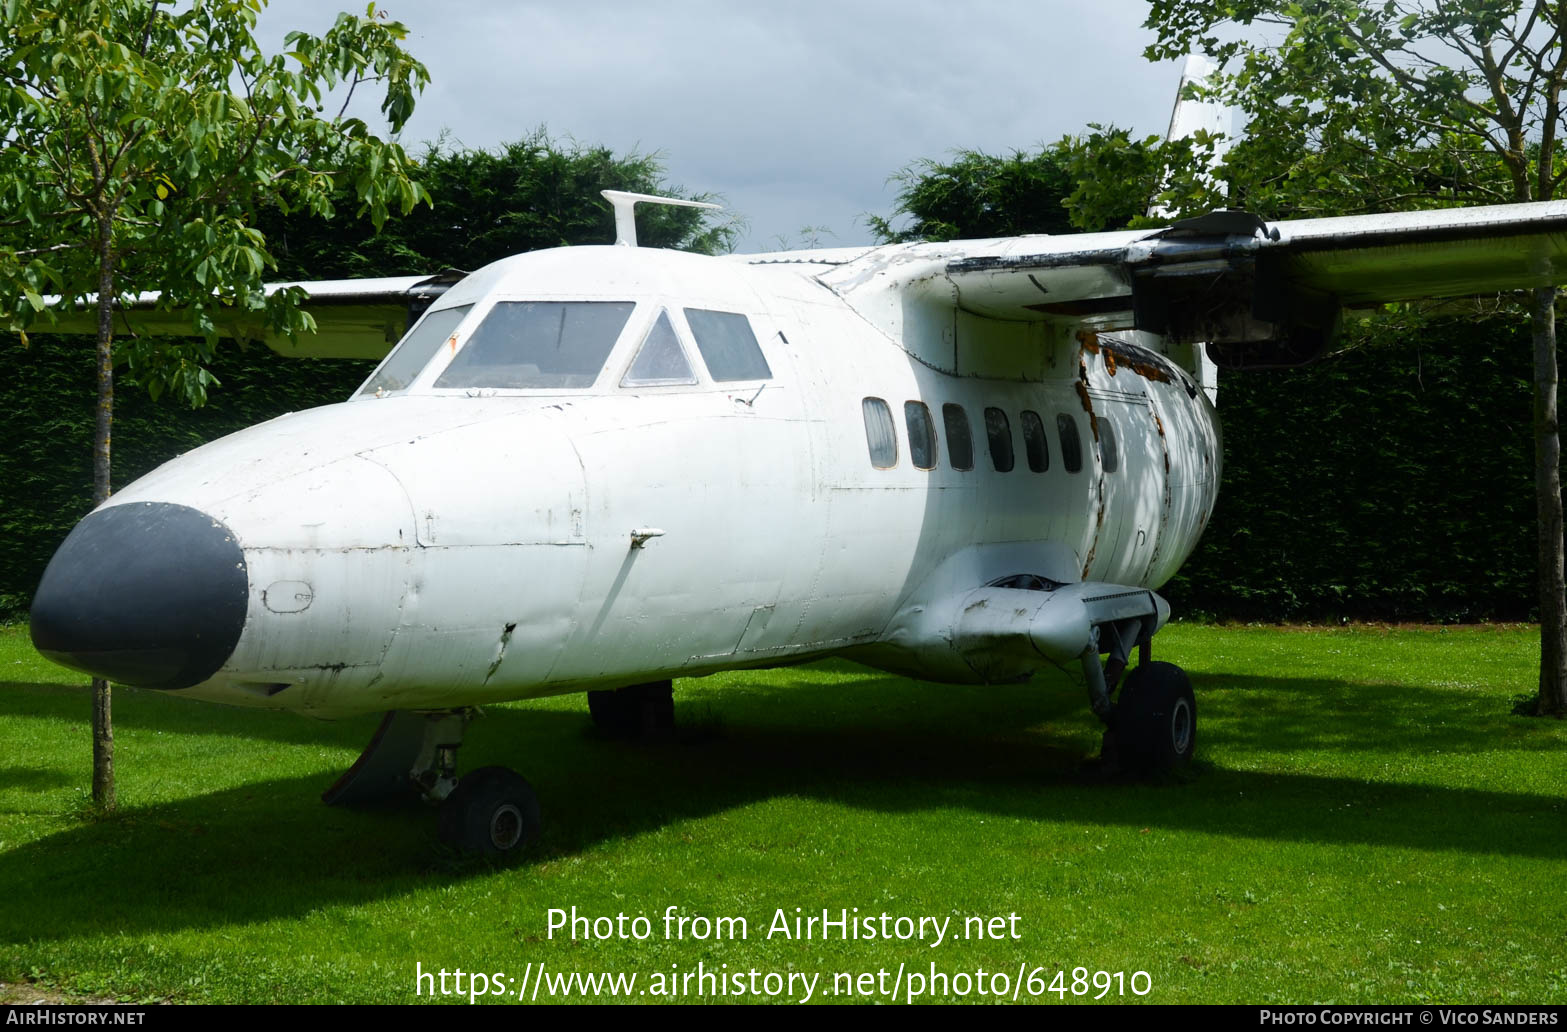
269,848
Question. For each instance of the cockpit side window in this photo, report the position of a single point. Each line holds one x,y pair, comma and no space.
728,346
414,352
661,360
522,344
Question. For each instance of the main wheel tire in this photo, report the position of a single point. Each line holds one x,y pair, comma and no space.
1156,718
492,812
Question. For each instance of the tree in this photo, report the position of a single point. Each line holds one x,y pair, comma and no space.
977,195
1405,104
138,141
488,204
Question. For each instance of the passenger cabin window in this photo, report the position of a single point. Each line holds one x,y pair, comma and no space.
410,357
999,429
661,360
960,442
539,344
1035,443
1108,454
1071,446
922,434
727,345
881,436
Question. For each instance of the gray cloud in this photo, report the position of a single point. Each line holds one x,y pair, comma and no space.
797,113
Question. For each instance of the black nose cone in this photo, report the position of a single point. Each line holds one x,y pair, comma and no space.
150,594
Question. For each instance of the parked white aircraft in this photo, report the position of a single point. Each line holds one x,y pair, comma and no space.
599,468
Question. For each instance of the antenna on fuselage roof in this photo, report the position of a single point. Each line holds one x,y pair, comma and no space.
625,211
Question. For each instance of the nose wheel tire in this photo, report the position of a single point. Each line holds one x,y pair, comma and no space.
1156,718
492,812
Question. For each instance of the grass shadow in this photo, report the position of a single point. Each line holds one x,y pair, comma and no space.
269,849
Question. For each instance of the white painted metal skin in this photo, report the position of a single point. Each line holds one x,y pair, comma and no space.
434,548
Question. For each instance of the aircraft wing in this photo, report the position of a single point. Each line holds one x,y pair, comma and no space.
358,318
1231,279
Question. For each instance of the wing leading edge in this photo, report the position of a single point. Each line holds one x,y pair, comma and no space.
1258,293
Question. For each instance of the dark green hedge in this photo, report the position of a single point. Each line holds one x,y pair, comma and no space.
1390,482
47,394
1393,481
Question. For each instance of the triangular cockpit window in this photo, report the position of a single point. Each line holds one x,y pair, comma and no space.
661,360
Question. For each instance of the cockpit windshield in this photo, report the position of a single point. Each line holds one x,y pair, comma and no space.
538,344
413,354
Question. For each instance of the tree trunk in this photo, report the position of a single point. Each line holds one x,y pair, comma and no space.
1552,697
102,726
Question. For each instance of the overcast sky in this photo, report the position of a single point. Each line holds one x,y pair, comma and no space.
795,112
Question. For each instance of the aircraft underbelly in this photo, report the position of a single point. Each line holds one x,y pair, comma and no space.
480,622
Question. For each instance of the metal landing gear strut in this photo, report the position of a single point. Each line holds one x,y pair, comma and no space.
1152,726
491,811
645,711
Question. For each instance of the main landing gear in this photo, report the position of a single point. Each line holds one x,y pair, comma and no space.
645,711
491,811
1152,726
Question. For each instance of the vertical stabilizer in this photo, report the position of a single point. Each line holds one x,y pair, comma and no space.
1187,118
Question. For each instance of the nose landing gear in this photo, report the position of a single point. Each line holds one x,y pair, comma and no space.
491,811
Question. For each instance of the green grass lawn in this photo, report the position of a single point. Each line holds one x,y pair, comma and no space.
1366,822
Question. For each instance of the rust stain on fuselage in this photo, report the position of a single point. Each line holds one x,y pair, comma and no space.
1118,355
1081,386
1164,449
1090,343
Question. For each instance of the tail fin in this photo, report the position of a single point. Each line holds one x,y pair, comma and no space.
1188,117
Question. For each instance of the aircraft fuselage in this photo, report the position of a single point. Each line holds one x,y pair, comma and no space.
432,548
